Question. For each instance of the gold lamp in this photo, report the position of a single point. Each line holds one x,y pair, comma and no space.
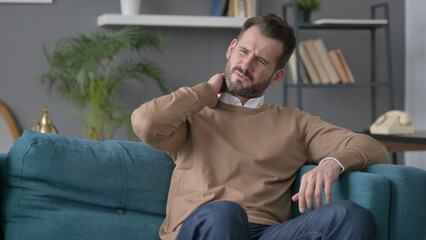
44,124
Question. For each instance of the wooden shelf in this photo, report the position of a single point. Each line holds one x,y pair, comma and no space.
170,21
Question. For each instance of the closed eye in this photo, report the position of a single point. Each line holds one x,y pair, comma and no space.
261,60
244,50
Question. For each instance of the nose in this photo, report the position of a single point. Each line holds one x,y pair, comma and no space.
247,63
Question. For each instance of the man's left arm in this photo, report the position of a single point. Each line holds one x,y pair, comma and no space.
337,147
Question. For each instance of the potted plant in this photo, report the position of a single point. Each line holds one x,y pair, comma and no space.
86,71
306,7
130,7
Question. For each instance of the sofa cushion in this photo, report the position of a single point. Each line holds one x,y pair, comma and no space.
58,187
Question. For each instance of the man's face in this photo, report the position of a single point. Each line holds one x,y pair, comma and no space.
251,64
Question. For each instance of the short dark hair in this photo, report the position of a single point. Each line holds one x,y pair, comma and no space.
272,26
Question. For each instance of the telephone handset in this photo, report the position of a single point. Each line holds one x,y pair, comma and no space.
393,122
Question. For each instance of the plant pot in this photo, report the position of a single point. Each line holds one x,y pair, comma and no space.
130,7
304,16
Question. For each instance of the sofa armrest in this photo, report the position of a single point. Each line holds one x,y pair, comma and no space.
407,219
371,191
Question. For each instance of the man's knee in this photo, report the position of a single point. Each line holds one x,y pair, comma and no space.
354,218
351,210
216,220
225,212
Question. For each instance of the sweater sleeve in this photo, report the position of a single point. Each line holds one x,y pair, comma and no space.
354,151
161,122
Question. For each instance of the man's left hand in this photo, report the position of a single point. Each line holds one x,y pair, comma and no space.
313,182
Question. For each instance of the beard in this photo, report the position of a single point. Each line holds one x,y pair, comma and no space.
236,88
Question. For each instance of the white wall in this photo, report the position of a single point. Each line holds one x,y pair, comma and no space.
415,72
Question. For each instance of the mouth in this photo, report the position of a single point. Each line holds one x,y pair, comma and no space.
242,77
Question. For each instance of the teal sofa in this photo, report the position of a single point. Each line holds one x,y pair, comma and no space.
58,187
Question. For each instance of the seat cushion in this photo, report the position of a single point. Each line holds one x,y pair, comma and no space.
58,187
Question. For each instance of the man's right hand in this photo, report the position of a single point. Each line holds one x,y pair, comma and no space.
217,82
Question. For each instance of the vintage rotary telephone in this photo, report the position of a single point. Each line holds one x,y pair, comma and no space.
393,122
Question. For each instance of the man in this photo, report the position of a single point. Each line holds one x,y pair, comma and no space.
237,156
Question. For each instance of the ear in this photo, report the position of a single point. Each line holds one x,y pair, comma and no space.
231,48
278,75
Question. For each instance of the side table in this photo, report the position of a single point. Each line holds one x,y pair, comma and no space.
401,142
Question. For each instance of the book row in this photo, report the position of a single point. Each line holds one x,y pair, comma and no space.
320,65
234,8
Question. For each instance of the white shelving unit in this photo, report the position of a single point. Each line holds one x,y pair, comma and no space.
170,21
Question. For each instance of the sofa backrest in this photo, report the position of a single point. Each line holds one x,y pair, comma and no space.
58,187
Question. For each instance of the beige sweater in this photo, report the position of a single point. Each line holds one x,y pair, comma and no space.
249,156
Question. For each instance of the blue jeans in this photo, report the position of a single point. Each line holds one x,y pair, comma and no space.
225,220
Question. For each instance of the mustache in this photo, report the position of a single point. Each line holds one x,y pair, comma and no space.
245,73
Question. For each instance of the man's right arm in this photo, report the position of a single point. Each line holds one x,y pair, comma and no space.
161,122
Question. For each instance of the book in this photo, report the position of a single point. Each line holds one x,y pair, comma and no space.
351,21
292,67
317,62
231,8
309,65
345,66
338,66
237,8
219,8
328,65
292,70
251,6
241,8
303,74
